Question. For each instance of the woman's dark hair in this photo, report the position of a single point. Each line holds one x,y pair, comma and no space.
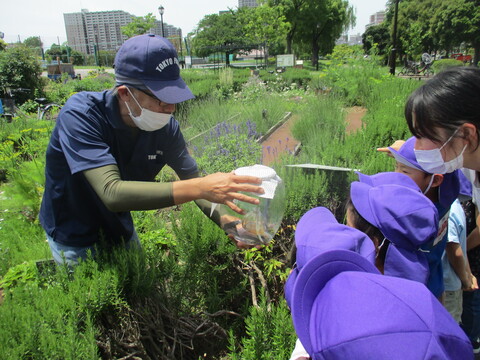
450,99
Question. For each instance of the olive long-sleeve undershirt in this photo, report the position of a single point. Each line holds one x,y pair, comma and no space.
120,195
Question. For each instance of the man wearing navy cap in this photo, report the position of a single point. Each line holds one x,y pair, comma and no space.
107,148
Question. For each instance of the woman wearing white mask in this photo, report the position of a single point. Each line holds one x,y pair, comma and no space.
444,116
107,148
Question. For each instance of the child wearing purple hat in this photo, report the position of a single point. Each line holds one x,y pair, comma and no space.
442,190
342,308
402,219
405,226
318,232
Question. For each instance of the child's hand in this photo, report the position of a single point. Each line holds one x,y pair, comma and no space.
395,146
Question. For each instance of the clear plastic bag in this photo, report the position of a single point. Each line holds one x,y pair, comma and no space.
261,222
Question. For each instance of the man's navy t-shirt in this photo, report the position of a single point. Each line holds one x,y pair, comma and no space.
90,133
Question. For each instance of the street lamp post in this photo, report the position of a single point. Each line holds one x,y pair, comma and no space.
393,56
161,10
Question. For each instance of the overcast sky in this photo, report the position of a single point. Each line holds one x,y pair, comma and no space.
25,18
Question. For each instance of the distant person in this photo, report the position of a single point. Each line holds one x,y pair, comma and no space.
108,147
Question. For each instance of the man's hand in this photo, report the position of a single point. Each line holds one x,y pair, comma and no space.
227,222
242,245
223,188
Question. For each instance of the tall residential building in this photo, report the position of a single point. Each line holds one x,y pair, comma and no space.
376,18
76,31
104,29
101,28
170,30
249,3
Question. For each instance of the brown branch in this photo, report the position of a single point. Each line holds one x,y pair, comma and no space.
263,281
252,288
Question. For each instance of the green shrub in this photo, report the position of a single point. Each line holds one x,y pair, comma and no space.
440,65
227,147
19,68
270,334
59,92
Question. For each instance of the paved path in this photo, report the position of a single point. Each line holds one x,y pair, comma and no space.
282,141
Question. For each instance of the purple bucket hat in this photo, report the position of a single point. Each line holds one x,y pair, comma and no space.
343,308
152,60
449,189
317,232
388,178
404,216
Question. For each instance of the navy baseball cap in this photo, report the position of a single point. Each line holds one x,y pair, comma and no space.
152,61
343,308
448,190
318,232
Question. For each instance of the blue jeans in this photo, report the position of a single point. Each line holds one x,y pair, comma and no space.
471,314
71,254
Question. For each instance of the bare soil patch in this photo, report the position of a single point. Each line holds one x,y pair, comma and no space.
279,142
354,118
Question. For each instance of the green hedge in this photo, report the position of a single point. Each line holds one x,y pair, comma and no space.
443,64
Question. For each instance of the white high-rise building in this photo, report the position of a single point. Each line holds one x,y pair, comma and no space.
376,19
249,3
103,29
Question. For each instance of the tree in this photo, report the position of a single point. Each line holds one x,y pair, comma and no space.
57,51
139,25
378,37
291,11
3,45
219,33
106,58
76,57
458,21
324,22
263,25
432,25
19,68
35,43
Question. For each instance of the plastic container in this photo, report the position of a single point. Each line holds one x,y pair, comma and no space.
260,222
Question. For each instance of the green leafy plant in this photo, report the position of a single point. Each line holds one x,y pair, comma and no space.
229,146
440,65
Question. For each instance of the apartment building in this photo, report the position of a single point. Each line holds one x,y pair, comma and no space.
103,29
249,3
376,18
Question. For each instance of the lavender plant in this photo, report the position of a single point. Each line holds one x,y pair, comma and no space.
227,147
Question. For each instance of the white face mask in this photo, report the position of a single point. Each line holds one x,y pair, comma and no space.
148,120
429,185
432,160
